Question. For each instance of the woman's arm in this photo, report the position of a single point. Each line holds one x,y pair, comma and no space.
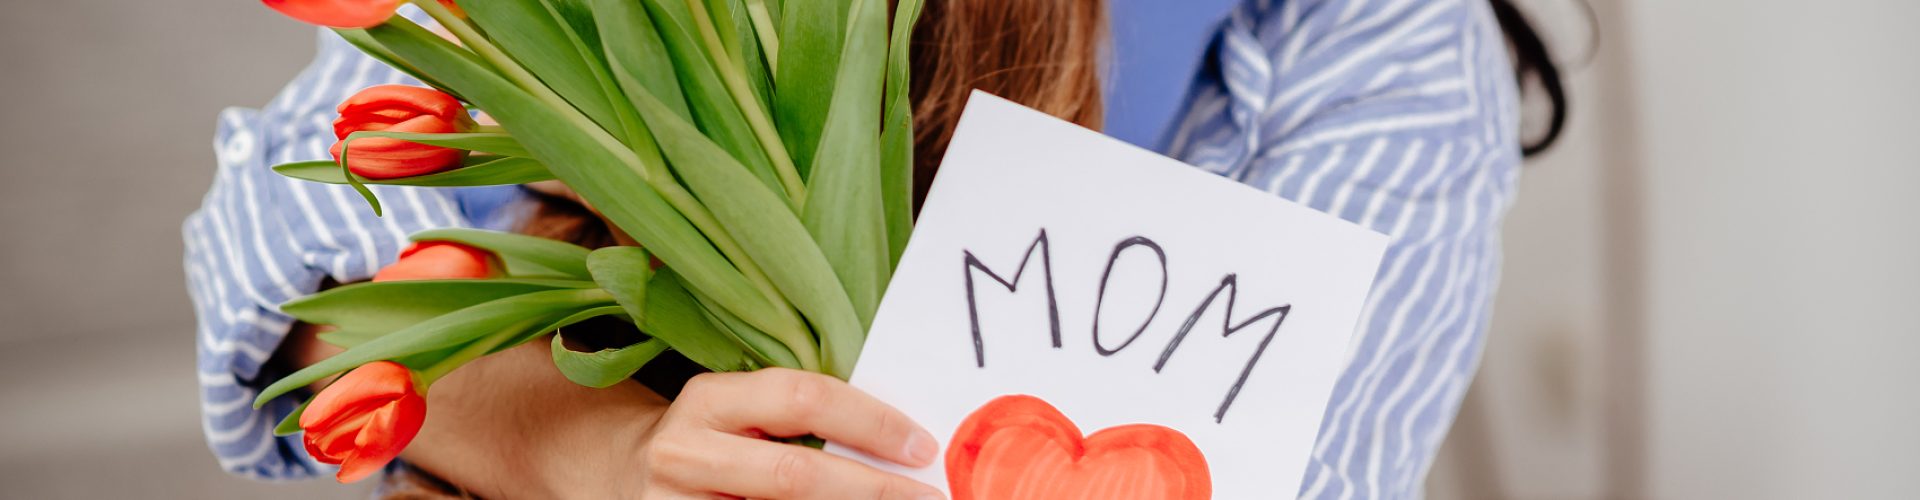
510,426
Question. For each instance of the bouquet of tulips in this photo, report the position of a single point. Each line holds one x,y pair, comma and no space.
758,151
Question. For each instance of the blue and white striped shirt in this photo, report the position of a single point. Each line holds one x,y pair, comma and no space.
1396,114
1400,115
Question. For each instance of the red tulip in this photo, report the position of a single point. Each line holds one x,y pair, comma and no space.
342,13
363,420
439,260
399,108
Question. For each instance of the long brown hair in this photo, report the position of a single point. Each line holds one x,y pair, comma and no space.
1043,54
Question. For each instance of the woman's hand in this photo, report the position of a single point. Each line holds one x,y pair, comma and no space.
711,441
509,426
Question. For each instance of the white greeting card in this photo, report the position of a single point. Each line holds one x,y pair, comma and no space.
1077,318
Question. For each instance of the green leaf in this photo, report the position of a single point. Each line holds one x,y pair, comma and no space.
509,337
291,425
773,12
447,330
603,368
636,54
346,339
578,16
430,365
525,256
764,348
721,34
595,165
896,134
480,171
556,324
639,43
372,309
625,273
355,180
733,25
545,46
373,48
811,34
483,142
766,230
578,24
844,213
721,14
672,316
707,96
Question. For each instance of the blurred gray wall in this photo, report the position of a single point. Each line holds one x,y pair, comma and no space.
107,132
1782,258
105,137
1709,287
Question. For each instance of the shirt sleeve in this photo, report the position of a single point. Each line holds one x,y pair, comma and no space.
260,239
1399,116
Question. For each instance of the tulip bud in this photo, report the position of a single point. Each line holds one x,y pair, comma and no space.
440,260
343,13
337,13
362,421
399,108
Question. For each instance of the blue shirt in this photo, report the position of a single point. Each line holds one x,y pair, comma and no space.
1399,115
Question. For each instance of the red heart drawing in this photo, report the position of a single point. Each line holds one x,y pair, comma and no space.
1018,447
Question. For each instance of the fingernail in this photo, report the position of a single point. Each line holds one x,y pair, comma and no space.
921,448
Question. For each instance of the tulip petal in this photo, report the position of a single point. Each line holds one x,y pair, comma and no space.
313,449
337,13
337,438
355,468
439,260
385,433
406,99
388,158
378,380
363,420
398,108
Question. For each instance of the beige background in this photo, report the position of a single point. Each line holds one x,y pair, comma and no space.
1707,288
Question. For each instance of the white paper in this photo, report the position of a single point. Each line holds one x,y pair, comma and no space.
1012,173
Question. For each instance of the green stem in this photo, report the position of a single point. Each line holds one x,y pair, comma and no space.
651,172
426,377
763,29
479,44
798,342
654,166
705,221
750,106
592,298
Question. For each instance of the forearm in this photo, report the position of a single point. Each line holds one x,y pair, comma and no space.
510,426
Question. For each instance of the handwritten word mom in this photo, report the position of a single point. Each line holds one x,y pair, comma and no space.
1040,246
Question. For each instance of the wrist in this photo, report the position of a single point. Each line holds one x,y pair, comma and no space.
592,449
511,426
